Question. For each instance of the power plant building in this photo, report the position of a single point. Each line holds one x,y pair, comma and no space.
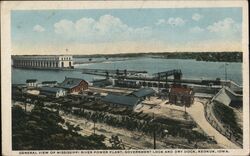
43,61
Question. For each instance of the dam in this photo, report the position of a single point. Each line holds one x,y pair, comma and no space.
43,61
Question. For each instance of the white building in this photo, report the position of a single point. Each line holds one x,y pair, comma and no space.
43,61
31,83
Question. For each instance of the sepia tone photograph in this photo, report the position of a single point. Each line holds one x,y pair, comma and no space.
133,80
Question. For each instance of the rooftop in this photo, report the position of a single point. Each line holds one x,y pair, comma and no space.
181,89
49,82
143,92
69,83
121,99
50,89
31,80
226,96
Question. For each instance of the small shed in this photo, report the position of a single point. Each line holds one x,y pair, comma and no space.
31,82
121,100
52,91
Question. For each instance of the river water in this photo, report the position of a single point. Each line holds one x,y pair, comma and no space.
190,69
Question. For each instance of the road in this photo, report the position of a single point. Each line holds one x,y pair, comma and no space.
196,110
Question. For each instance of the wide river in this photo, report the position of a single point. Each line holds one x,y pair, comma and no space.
190,69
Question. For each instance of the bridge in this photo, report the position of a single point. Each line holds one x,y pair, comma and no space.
160,77
176,73
120,74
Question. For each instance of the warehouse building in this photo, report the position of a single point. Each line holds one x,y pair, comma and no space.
143,93
121,100
74,85
52,92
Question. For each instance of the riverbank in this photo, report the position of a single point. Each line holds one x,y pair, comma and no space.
199,56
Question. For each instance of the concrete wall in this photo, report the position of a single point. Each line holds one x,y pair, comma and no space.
205,89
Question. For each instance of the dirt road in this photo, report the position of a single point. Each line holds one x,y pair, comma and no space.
196,110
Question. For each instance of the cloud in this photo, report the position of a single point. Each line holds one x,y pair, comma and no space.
160,22
226,25
171,21
38,28
197,17
196,29
176,21
106,28
64,26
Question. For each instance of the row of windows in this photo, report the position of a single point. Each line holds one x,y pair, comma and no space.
66,58
40,63
36,64
43,58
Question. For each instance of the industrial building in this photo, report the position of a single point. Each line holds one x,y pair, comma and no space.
74,85
43,61
121,100
101,82
126,83
181,95
227,97
52,92
143,93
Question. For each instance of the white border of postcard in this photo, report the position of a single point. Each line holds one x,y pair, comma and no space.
6,7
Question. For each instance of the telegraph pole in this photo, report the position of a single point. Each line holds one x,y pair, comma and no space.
185,108
94,127
158,83
154,131
226,71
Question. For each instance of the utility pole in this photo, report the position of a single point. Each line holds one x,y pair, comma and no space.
25,106
226,71
185,107
154,131
94,126
159,83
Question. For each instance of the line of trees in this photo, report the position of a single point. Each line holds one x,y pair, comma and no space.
199,56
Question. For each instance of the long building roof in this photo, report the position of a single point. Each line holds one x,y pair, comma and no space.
31,80
49,82
143,92
50,89
121,99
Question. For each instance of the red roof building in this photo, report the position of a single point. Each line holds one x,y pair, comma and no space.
181,95
74,85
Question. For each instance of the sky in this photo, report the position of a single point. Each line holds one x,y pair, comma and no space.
105,31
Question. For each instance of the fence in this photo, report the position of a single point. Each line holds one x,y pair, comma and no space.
209,115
